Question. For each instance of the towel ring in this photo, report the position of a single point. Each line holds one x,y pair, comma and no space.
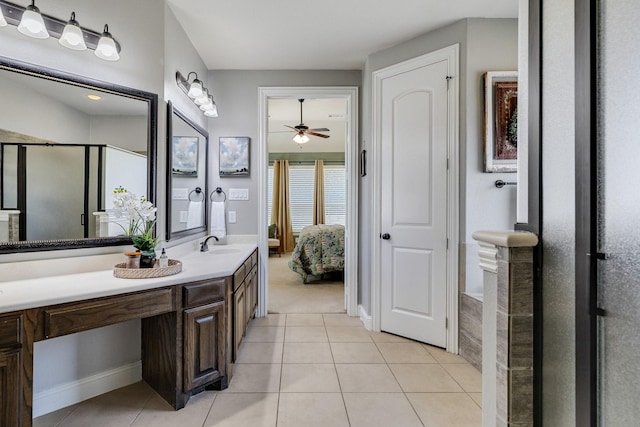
197,190
217,192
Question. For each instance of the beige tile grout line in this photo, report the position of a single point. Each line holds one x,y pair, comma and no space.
335,369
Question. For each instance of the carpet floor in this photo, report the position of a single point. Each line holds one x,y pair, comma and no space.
288,294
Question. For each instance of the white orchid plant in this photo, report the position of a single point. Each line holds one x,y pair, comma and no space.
142,218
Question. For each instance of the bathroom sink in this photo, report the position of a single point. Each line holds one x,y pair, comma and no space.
222,251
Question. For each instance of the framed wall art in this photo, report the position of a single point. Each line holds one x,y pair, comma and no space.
500,121
184,153
234,156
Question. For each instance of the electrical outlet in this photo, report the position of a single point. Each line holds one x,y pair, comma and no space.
183,216
232,217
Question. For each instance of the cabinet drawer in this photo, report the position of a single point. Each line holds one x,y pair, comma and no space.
77,317
204,292
10,330
238,276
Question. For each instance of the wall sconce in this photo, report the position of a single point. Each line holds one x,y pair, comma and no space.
70,34
199,94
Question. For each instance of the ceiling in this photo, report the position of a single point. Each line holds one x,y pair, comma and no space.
316,113
313,35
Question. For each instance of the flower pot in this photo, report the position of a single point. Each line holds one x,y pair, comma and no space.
147,259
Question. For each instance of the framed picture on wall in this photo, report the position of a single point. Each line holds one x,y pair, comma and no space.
234,156
500,121
184,153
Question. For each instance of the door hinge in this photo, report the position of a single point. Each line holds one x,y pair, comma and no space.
447,243
446,323
447,164
448,80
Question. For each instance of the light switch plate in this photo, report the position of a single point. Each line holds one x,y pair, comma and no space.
180,194
183,216
232,217
238,194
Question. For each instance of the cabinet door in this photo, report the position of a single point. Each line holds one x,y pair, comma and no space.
239,317
9,388
204,329
252,293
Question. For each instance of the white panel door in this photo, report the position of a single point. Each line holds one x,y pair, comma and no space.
413,134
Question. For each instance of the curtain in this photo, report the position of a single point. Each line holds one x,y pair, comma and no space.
280,212
318,193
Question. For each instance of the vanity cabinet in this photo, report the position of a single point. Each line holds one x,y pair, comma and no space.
190,336
204,333
245,299
10,365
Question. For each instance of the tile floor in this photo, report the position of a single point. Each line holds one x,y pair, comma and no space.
308,370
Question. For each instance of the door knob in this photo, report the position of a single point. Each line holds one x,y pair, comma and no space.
385,236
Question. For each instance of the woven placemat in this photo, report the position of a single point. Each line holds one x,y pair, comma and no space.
174,267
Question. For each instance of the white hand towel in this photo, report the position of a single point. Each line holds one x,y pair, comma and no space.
194,214
218,224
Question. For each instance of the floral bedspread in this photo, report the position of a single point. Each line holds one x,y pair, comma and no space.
319,250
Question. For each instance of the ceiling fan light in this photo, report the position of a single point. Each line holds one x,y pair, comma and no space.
301,138
72,36
107,48
195,89
32,24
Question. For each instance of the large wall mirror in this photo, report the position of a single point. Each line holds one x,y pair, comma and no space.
187,175
66,142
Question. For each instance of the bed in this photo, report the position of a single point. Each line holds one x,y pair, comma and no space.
319,250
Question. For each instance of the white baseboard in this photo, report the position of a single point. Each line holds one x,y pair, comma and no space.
74,392
365,318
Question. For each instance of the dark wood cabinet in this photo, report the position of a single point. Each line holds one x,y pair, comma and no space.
245,299
10,369
204,349
190,336
10,388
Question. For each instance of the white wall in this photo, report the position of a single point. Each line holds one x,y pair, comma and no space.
237,97
485,45
56,121
127,132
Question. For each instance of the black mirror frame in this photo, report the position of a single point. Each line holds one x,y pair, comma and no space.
13,65
183,233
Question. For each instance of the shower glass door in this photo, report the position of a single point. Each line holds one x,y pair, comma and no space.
618,213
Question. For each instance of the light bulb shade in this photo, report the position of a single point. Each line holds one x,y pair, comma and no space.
72,36
213,112
3,22
32,24
195,89
107,48
203,98
301,138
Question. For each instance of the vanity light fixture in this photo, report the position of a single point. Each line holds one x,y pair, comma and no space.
70,34
107,48
32,24
199,94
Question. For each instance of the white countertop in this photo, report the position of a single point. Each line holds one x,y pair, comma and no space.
220,261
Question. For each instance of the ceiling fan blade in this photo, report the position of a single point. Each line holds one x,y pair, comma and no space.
319,130
291,127
316,134
280,131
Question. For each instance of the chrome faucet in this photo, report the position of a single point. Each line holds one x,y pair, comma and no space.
203,246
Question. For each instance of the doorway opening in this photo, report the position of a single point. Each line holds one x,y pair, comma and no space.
339,171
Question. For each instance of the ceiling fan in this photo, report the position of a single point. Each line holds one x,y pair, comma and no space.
302,131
